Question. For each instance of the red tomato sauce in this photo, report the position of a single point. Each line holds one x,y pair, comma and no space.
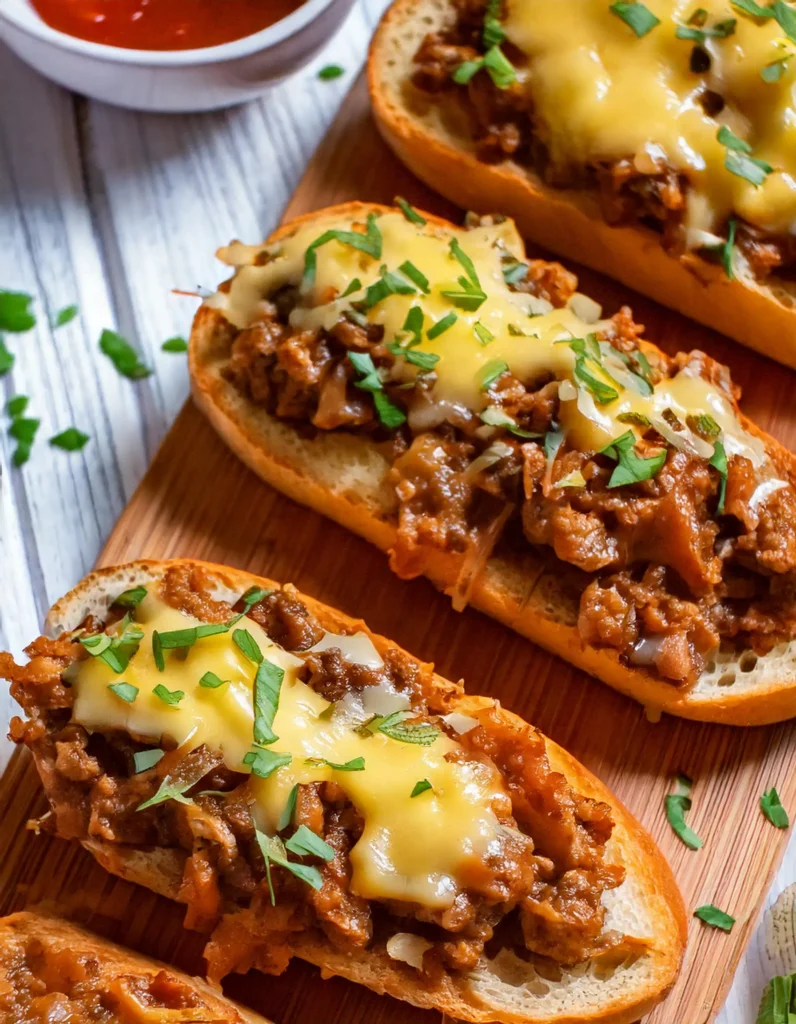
162,24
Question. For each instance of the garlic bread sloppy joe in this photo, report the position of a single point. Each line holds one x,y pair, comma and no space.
654,141
470,411
309,789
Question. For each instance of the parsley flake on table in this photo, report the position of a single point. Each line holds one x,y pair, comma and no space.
676,805
714,917
771,806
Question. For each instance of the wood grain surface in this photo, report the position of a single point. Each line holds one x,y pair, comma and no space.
197,500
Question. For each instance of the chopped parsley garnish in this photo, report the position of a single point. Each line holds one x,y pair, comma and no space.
115,650
70,440
778,1005
126,691
306,843
267,687
131,598
718,461
471,295
483,334
395,726
441,326
517,332
171,697
771,806
704,425
420,787
145,759
354,286
553,440
264,763
389,414
753,9
123,356
169,790
15,314
493,416
157,652
637,418
252,597
177,638
273,850
356,764
369,243
425,360
174,345
17,405
601,392
677,804
637,16
330,72
65,316
6,358
23,430
714,917
490,372
774,71
725,250
246,643
492,33
211,681
631,468
514,270
738,160
413,325
698,32
786,18
410,271
409,212
286,816
494,62
387,284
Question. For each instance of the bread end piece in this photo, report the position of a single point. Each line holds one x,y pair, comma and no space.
434,143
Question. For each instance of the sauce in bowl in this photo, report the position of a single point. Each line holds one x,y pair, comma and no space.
162,24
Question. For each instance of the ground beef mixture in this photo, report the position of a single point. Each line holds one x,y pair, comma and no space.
45,982
661,577
541,890
503,126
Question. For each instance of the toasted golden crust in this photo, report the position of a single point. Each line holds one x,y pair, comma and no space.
647,905
517,591
58,936
568,222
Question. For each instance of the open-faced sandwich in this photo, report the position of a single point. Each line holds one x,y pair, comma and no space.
653,141
309,789
54,972
469,411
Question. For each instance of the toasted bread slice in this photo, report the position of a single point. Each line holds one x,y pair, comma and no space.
36,946
345,477
432,140
647,906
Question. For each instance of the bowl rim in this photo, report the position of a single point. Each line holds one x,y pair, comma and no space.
23,15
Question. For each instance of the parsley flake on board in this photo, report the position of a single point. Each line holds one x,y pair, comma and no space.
370,243
771,806
422,786
636,15
123,356
65,316
70,440
714,917
15,314
631,468
676,805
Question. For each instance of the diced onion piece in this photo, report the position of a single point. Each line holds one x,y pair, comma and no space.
585,307
684,440
647,650
408,948
587,407
459,722
380,700
567,391
425,414
238,254
573,479
493,454
763,492
357,648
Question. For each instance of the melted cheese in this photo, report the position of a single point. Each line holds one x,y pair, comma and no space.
415,849
601,93
462,357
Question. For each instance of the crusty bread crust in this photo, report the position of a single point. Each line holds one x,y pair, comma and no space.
112,961
647,905
438,149
343,476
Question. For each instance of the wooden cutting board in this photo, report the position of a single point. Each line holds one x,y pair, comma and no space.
198,500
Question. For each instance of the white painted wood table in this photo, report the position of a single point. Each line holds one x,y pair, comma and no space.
109,209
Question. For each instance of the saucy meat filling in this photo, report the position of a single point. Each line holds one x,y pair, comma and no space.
673,552
505,125
538,889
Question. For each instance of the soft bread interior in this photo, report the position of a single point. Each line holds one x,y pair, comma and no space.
646,906
433,138
344,476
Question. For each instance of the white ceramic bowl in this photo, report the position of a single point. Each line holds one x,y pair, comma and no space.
172,81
